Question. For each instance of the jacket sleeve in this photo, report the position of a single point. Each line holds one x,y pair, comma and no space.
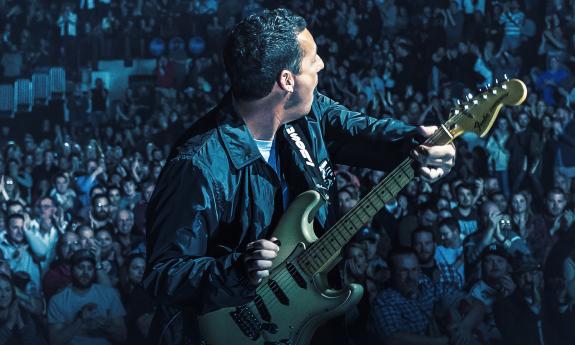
357,139
182,215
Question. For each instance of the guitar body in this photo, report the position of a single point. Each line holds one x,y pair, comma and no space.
295,299
294,303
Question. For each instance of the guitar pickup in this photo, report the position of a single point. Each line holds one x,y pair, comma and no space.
277,290
292,270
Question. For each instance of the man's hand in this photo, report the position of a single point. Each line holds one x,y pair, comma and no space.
435,161
258,259
506,286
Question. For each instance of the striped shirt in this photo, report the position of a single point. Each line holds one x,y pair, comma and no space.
512,22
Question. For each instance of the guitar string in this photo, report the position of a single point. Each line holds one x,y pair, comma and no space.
376,190
281,278
285,277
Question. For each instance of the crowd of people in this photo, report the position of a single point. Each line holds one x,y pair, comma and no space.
484,256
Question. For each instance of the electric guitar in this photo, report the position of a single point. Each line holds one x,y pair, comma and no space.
295,299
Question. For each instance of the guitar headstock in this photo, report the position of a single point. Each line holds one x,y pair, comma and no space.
479,113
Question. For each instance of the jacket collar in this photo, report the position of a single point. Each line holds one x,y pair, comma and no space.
238,141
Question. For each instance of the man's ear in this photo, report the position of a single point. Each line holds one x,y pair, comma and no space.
286,80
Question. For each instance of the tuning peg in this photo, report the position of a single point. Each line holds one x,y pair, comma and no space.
489,85
496,81
505,76
469,96
458,102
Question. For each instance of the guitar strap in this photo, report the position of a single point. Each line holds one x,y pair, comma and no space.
299,143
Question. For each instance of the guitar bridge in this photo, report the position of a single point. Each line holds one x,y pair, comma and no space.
247,322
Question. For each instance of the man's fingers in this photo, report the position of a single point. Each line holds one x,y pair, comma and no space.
435,155
260,274
431,174
261,254
263,244
258,265
427,131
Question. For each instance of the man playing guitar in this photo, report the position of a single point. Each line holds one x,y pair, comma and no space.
231,175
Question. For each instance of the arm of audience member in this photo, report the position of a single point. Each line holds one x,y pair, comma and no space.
514,245
569,277
37,245
450,18
567,137
423,115
5,334
120,114
62,333
414,339
180,269
357,139
473,248
25,180
30,334
557,43
143,322
115,329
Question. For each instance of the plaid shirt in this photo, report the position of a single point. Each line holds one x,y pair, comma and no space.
392,313
450,276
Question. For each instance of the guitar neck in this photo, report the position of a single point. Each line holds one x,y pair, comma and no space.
326,251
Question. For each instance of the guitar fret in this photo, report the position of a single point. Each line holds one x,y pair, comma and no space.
329,242
335,239
353,224
363,221
328,247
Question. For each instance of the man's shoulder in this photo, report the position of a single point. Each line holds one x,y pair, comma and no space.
62,295
192,144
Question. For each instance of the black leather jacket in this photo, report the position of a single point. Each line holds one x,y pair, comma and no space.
216,194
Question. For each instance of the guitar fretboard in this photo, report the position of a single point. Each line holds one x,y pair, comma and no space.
326,249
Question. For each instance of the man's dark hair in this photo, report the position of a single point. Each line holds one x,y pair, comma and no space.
464,185
451,223
420,230
427,206
555,191
259,48
399,251
11,203
98,196
14,216
61,175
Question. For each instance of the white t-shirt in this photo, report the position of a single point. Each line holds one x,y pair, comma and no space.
268,151
64,307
